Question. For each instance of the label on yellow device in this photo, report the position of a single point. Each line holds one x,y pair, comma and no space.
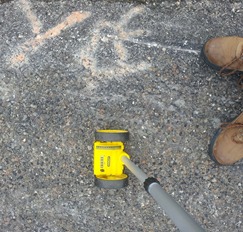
107,158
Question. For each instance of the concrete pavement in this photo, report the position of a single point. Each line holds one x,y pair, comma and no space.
70,67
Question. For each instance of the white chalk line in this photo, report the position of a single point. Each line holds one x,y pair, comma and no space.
157,45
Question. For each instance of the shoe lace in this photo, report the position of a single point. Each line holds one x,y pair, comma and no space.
238,136
223,72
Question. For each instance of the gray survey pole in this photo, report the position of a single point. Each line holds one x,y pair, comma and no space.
178,215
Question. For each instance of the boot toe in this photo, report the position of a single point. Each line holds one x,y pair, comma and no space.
225,149
221,51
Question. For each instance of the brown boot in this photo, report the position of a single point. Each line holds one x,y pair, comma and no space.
227,145
224,54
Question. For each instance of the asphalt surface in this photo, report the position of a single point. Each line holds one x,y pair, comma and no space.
68,68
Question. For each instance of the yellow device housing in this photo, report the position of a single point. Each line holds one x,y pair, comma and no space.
108,167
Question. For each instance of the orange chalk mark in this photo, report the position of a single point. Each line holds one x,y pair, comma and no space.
35,23
17,59
34,44
75,17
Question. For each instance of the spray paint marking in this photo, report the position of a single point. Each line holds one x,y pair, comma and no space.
117,38
31,45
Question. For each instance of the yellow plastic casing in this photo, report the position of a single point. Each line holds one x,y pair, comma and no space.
107,160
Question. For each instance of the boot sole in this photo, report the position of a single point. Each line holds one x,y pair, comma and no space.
211,146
